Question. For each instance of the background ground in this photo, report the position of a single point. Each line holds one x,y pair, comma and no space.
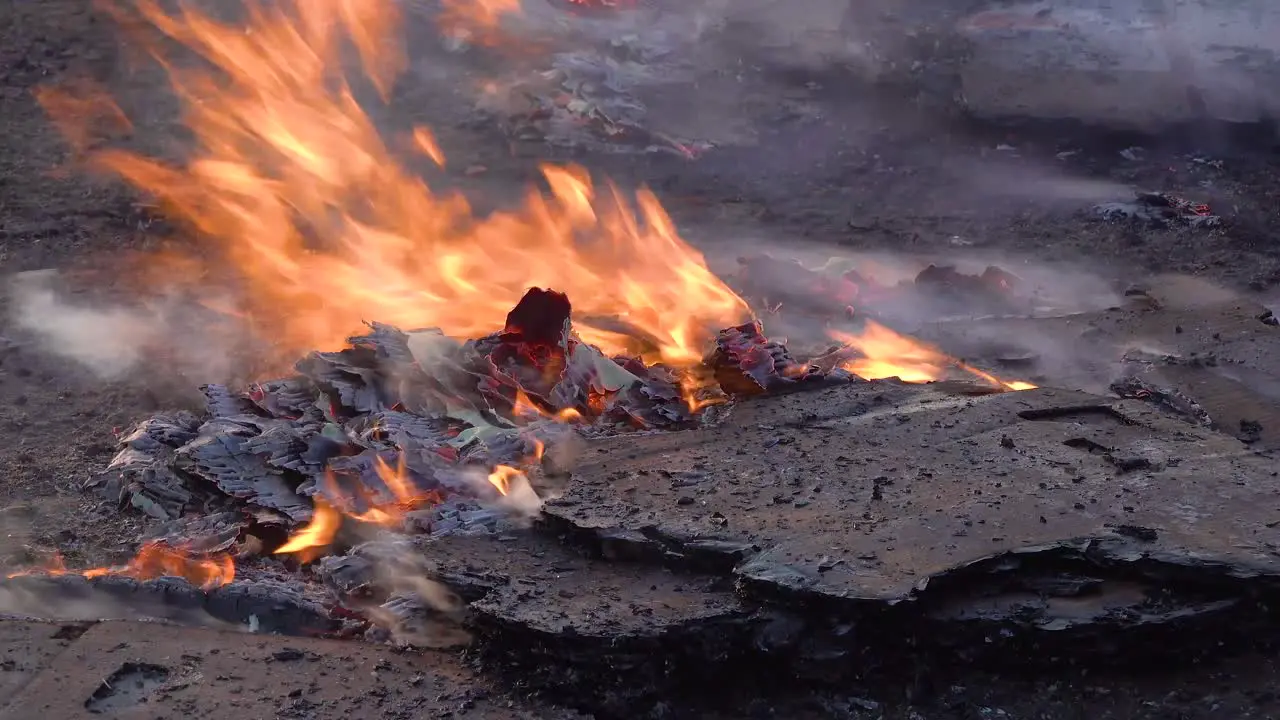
827,171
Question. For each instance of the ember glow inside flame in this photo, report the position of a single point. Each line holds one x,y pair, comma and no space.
310,206
885,353
155,560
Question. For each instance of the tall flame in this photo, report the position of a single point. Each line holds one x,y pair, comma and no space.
308,203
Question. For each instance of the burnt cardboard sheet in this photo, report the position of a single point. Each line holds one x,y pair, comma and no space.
866,492
613,632
544,586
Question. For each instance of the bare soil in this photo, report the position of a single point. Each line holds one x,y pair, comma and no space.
870,175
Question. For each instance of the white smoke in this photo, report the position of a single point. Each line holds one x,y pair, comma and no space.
167,337
109,341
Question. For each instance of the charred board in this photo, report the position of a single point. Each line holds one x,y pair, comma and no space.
976,510
600,634
265,606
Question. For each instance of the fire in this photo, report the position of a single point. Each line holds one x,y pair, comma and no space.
501,478
525,408
885,353
310,541
308,205
156,560
697,391
317,535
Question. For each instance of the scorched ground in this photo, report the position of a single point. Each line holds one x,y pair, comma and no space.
61,417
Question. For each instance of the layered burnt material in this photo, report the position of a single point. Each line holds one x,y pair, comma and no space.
857,533
819,530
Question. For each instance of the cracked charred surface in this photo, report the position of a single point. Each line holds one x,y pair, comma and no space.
849,195
1212,353
606,633
1043,526
865,492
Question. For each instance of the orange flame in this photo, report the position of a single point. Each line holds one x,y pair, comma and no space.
309,206
525,408
695,390
886,353
318,534
501,478
154,560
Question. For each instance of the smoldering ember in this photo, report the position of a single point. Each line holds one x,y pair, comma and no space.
559,462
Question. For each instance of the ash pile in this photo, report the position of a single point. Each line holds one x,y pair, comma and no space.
584,522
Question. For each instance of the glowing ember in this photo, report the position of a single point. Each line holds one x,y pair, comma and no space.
310,207
885,353
156,560
700,391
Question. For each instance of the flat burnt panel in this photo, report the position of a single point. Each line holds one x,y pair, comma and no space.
539,583
615,632
907,482
1241,402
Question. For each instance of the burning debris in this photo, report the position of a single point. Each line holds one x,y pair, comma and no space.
411,431
387,488
1160,210
416,434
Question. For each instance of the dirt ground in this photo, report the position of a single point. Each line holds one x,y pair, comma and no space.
831,173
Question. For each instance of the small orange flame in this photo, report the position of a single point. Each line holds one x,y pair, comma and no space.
397,479
525,408
501,478
694,390
154,560
426,142
318,534
886,353
992,379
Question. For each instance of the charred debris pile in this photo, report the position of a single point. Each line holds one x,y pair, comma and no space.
523,495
